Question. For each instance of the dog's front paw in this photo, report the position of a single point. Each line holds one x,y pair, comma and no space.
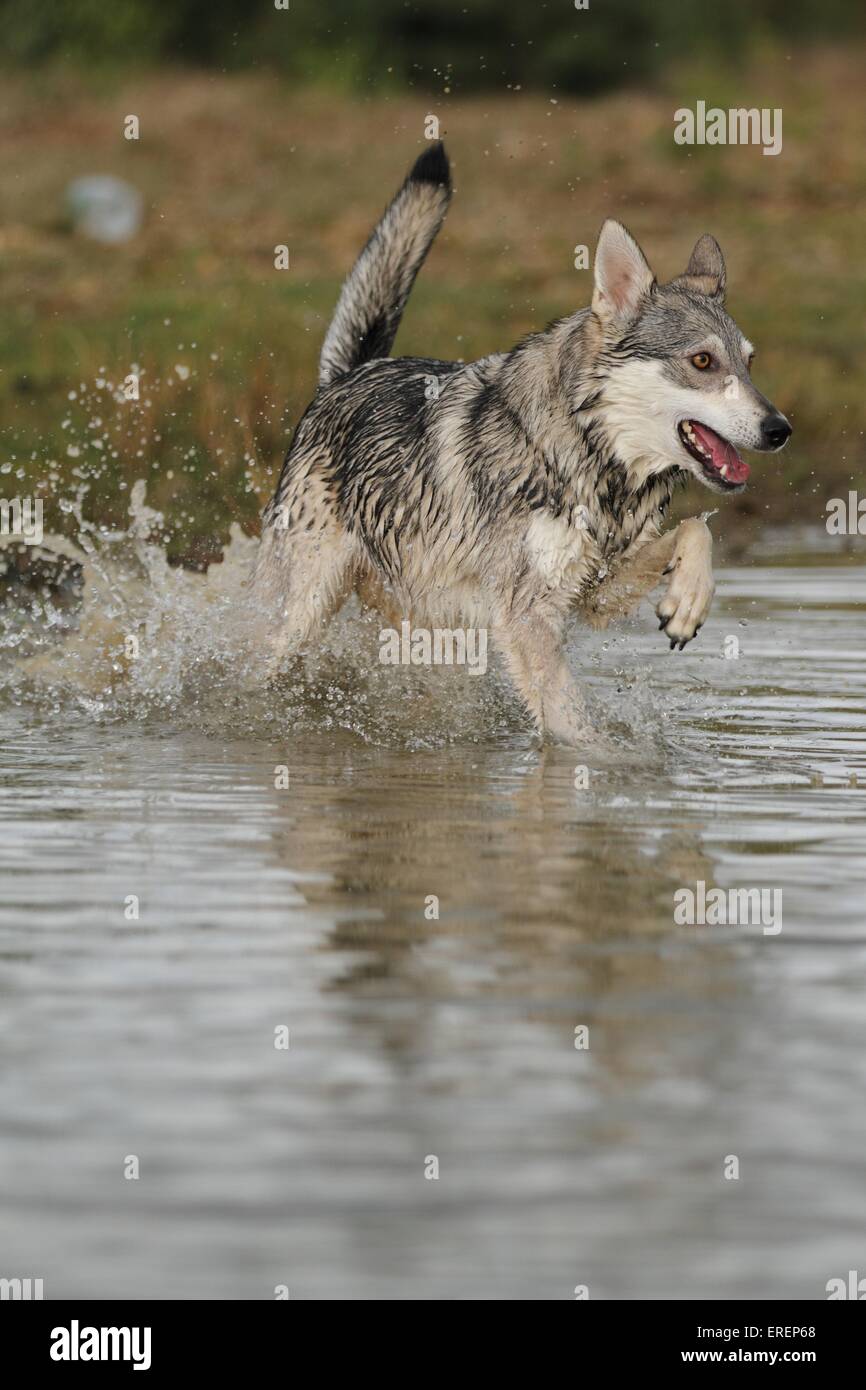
684,606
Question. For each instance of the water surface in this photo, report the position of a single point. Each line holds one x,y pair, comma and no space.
411,1037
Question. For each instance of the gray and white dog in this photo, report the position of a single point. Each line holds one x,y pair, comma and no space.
508,492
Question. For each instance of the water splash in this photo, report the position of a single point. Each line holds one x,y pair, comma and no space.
104,625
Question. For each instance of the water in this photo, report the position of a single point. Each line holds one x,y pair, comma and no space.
411,1037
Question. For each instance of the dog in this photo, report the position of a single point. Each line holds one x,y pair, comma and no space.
514,490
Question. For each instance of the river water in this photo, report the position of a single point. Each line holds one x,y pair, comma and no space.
169,906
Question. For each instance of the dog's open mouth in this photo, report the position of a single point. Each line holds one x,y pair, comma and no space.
719,459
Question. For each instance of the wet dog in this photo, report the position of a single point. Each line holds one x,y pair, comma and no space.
512,491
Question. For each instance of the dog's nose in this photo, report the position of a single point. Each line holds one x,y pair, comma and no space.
775,431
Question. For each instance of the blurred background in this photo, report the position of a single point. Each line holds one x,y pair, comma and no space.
260,127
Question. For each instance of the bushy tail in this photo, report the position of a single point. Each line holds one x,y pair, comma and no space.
374,296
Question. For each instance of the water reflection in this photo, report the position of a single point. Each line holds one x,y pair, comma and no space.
413,1035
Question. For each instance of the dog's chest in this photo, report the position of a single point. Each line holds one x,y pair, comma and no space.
562,552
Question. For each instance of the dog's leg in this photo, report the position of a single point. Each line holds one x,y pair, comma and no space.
683,608
685,553
299,583
375,596
532,648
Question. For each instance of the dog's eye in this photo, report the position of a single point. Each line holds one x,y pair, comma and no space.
702,360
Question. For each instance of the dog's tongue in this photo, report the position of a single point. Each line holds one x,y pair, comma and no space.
724,456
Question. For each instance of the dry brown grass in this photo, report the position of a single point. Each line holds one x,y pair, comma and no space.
231,167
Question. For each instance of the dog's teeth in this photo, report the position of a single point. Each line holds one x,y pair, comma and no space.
725,471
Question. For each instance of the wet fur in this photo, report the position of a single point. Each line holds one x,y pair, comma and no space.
506,492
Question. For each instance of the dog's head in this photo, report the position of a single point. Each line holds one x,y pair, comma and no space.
676,389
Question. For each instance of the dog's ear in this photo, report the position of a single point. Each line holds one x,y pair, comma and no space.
705,272
622,276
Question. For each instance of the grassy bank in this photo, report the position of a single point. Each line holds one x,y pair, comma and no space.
231,167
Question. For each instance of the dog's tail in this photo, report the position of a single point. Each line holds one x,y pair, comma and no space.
374,296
